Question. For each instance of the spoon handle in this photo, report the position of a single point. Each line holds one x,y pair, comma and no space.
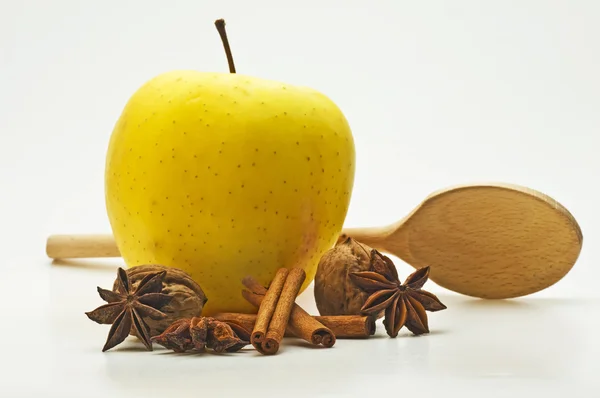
388,238
81,246
98,246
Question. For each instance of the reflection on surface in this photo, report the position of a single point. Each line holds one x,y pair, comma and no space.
533,338
89,264
473,339
511,338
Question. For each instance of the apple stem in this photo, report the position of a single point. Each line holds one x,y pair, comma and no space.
220,24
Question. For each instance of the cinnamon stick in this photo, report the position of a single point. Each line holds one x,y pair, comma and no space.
342,326
254,286
281,316
267,308
301,324
309,329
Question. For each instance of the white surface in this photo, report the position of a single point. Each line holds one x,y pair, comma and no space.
438,93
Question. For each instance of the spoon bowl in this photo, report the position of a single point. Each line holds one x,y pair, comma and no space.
490,241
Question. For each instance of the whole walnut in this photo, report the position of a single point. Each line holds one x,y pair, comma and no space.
335,292
188,297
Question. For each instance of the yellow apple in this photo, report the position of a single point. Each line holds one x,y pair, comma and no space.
225,175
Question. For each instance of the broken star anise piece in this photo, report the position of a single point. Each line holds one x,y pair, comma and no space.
128,307
198,333
404,303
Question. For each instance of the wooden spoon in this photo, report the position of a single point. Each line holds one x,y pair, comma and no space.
490,241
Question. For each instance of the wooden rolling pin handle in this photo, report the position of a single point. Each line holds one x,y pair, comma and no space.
81,246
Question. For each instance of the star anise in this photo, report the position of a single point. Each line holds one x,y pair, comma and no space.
198,333
127,308
404,303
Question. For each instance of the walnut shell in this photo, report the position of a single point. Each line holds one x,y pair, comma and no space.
188,297
335,292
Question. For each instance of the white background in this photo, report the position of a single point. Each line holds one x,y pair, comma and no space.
437,93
